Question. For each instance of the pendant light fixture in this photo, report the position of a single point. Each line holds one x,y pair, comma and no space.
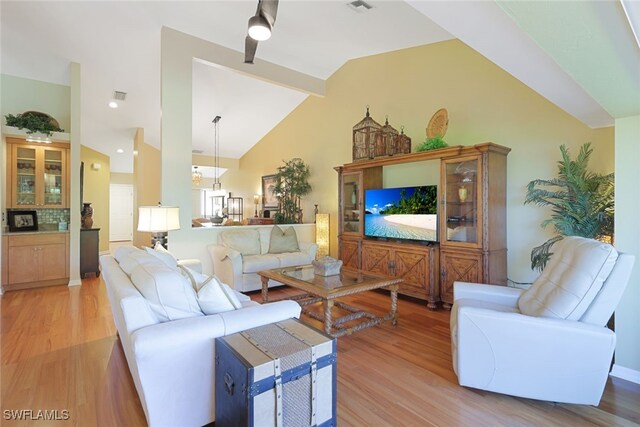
196,176
217,186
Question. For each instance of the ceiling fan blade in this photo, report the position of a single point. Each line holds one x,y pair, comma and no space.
250,46
268,9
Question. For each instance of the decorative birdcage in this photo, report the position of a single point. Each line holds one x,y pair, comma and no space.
402,144
364,137
385,140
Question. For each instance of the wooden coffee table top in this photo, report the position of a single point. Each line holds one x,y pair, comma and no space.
349,282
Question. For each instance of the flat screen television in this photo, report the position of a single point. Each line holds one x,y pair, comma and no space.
402,213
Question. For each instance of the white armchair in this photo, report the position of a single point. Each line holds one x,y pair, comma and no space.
548,342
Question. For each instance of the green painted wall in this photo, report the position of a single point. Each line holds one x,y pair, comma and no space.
627,152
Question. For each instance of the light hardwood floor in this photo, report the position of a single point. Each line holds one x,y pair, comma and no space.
59,350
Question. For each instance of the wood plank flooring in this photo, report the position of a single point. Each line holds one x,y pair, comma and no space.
59,351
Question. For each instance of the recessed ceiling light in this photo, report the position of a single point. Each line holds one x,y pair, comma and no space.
113,104
120,150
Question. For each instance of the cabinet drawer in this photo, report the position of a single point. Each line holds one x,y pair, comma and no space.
37,239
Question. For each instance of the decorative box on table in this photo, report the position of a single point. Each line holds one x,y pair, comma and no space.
327,266
282,374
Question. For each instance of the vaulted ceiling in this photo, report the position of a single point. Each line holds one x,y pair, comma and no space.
580,55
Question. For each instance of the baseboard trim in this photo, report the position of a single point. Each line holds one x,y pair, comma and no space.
75,282
625,374
104,253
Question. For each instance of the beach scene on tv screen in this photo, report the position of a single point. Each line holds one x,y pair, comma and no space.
402,213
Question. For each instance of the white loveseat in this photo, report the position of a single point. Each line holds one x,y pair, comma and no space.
173,362
242,252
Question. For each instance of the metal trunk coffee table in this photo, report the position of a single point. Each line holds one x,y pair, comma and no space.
328,288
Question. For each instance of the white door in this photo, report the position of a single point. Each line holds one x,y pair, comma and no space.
120,212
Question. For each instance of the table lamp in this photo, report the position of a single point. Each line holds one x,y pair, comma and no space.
158,220
256,201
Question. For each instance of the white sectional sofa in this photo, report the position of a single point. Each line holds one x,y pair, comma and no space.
170,350
241,252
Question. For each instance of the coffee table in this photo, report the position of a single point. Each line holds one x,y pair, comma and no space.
328,288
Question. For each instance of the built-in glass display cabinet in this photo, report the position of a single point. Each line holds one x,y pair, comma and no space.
38,175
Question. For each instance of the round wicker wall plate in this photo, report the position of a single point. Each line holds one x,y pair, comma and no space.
438,123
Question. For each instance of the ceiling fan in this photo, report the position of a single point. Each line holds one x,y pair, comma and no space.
260,26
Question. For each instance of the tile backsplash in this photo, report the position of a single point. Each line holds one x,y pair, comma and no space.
50,216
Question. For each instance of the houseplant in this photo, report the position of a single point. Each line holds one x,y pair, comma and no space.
432,144
34,122
581,202
291,184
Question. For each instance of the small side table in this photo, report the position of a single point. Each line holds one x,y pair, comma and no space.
89,249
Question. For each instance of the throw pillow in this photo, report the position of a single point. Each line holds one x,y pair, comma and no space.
283,241
163,255
215,290
168,293
571,280
247,242
215,297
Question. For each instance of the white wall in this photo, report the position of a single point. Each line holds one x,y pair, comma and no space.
178,51
627,239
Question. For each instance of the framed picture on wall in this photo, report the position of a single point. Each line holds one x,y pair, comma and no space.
269,199
23,221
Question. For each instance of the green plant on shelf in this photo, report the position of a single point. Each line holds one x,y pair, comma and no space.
432,144
33,122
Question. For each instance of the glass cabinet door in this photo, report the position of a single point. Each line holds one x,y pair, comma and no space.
25,190
351,203
461,200
53,177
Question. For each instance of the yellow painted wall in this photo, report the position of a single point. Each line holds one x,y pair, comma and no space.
96,190
484,103
121,178
146,187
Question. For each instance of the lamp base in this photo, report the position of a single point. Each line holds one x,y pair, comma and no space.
159,237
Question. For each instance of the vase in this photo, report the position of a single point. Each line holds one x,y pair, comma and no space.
462,194
87,215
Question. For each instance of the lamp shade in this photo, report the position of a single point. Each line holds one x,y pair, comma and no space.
158,218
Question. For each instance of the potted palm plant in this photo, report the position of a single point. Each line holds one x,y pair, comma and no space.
291,184
581,202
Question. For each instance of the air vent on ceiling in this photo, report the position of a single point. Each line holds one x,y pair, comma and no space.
359,6
119,96
197,151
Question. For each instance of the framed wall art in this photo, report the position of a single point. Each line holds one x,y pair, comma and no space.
269,199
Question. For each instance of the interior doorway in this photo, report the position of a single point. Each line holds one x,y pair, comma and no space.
120,212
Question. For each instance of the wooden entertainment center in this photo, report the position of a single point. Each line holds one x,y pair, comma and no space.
472,229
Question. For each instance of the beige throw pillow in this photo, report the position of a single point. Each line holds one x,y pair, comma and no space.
283,241
247,242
